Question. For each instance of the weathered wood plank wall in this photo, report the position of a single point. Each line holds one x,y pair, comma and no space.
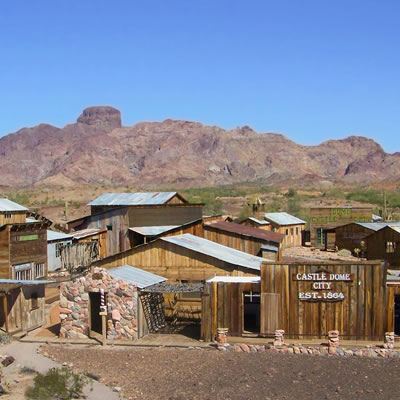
364,313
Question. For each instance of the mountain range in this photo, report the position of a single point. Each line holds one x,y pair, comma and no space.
98,150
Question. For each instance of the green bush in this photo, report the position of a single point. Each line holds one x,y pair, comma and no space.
56,384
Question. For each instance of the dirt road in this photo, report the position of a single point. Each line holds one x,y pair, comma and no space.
162,373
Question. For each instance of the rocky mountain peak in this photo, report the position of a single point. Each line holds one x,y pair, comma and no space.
102,116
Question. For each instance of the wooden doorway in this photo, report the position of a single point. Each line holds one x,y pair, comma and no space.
94,313
251,312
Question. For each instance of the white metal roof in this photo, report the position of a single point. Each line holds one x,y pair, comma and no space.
139,277
153,230
133,199
283,218
53,235
8,205
216,250
259,221
395,228
25,283
235,279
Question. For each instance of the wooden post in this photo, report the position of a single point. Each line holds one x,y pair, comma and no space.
104,328
5,310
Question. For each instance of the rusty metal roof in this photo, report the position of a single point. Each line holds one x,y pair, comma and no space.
283,218
247,231
215,250
8,205
133,199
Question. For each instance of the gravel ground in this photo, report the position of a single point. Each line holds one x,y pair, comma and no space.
163,373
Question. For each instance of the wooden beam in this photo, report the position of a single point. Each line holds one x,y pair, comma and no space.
5,311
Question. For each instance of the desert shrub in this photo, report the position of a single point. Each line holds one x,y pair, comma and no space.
56,384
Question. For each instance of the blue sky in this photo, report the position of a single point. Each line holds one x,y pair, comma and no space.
312,70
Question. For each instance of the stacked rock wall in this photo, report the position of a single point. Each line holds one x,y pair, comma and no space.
121,298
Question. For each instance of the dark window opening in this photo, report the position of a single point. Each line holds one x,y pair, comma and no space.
109,227
34,301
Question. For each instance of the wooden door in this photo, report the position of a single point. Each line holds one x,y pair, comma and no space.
269,318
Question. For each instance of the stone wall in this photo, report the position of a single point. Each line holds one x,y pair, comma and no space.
121,298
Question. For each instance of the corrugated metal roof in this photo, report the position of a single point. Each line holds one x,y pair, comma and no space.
395,228
259,221
140,278
244,230
52,235
283,218
153,230
24,283
8,205
235,279
377,226
87,232
133,199
216,250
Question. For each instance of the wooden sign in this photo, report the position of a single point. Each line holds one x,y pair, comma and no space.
322,285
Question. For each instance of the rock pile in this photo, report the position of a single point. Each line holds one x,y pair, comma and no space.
389,340
312,351
333,337
121,300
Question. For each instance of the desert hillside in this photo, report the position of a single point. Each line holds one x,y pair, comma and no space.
98,150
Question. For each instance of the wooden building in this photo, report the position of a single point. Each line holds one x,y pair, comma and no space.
92,235
351,235
23,245
288,225
23,305
324,219
121,213
305,300
186,258
245,238
385,245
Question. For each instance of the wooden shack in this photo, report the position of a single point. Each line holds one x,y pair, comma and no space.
23,305
351,235
245,238
288,225
23,244
92,235
324,219
186,259
305,300
120,213
385,245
